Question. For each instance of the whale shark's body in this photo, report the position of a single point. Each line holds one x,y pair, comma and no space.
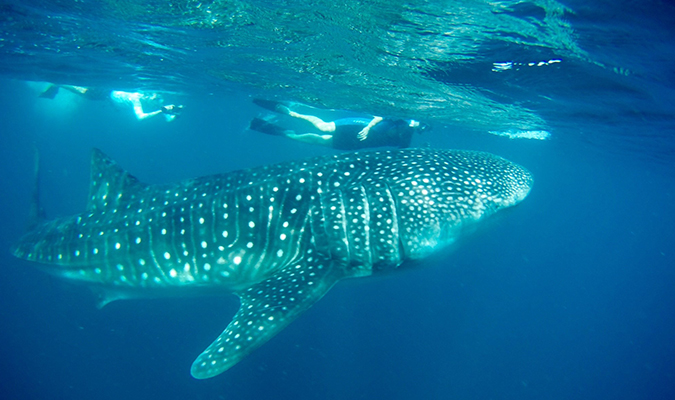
277,236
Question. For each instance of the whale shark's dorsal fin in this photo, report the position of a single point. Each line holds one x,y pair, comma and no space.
36,214
110,185
267,308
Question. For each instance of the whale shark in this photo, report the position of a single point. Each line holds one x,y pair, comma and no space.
278,236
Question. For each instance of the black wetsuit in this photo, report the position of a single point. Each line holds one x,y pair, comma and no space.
96,93
388,132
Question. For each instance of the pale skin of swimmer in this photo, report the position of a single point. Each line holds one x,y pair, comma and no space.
323,126
129,98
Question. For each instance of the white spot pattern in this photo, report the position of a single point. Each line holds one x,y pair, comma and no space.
365,212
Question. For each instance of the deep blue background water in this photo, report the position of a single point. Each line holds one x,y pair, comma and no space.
569,295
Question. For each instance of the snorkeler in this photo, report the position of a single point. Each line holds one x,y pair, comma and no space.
343,133
135,100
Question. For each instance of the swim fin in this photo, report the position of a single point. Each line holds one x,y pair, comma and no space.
281,107
50,93
260,125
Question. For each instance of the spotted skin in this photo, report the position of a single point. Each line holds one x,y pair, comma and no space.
278,236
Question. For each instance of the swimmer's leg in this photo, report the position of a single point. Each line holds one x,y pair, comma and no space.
81,90
260,125
285,108
313,138
320,124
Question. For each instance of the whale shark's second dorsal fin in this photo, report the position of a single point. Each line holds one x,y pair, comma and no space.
267,308
110,185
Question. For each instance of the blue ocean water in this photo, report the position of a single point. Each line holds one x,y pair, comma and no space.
570,295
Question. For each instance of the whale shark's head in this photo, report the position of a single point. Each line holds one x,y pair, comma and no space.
441,195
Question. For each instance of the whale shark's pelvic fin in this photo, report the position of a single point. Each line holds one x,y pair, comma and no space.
266,308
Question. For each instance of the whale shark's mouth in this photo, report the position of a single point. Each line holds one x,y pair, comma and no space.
522,184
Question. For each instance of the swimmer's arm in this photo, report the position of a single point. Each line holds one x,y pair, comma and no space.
138,110
363,134
141,115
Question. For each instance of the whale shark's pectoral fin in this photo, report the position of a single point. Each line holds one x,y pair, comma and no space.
266,308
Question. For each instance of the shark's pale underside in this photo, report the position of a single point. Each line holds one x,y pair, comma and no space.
278,236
